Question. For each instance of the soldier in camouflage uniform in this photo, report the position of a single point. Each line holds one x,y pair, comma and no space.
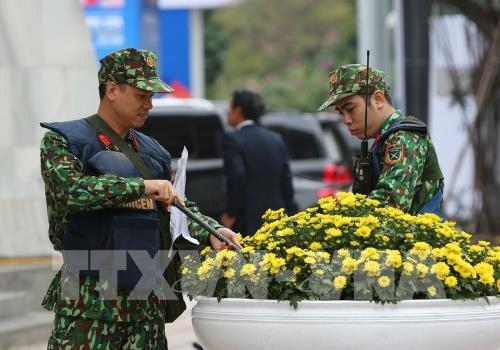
84,198
405,168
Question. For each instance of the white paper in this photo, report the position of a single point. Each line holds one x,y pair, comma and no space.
178,220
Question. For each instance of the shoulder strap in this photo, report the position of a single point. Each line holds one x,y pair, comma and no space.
134,157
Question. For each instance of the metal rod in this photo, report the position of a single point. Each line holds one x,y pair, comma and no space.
206,226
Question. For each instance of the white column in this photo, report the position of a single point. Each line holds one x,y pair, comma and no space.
197,56
48,73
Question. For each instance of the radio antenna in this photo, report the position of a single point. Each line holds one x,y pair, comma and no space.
364,143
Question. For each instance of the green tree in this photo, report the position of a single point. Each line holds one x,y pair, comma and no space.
283,48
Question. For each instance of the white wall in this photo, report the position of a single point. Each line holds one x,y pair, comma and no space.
48,73
448,121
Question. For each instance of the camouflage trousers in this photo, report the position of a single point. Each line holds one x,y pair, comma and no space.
81,333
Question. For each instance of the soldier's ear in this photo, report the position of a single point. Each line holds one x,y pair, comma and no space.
111,90
378,99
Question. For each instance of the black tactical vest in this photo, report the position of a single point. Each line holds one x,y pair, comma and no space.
131,226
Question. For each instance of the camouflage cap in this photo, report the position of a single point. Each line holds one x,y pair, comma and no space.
134,67
350,79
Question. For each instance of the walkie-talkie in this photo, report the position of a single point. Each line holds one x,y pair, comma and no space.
362,166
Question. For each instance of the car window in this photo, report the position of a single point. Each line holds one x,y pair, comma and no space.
200,134
333,145
301,144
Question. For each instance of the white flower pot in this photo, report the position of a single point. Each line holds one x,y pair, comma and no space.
240,324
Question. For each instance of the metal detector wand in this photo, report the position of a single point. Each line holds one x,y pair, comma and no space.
206,226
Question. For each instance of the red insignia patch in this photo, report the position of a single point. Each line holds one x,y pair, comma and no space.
103,139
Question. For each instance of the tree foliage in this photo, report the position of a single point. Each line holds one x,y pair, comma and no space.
283,48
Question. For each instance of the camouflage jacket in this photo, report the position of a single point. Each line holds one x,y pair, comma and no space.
406,157
68,190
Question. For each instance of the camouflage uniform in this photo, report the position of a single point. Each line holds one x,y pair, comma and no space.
410,175
83,318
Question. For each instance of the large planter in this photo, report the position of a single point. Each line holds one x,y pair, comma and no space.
240,324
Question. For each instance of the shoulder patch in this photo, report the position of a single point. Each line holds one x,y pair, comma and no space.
394,154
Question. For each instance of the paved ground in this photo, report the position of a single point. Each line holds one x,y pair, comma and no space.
180,334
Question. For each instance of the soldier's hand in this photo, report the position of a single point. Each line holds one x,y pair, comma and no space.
162,191
229,234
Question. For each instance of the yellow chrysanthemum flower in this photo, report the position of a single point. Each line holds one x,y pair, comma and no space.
310,260
372,268
229,273
441,270
349,265
451,281
339,282
384,281
315,246
247,269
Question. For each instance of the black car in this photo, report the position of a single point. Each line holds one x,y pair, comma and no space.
320,151
197,125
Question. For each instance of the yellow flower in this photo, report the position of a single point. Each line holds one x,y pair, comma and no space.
483,243
407,268
247,269
363,231
487,279
465,269
451,281
297,269
310,260
498,285
476,248
422,270
315,246
441,270
393,259
432,291
229,273
349,265
384,281
346,198
205,250
248,249
319,272
343,252
295,251
285,232
453,248
205,268
327,203
372,268
370,253
332,233
483,268
438,253
339,282
421,249
343,221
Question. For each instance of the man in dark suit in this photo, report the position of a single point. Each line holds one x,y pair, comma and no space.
256,166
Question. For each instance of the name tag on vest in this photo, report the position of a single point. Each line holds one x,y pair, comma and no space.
141,204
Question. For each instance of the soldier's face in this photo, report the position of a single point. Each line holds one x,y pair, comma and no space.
133,105
352,111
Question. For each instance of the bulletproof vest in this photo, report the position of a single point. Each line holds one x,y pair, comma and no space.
431,171
406,123
131,226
